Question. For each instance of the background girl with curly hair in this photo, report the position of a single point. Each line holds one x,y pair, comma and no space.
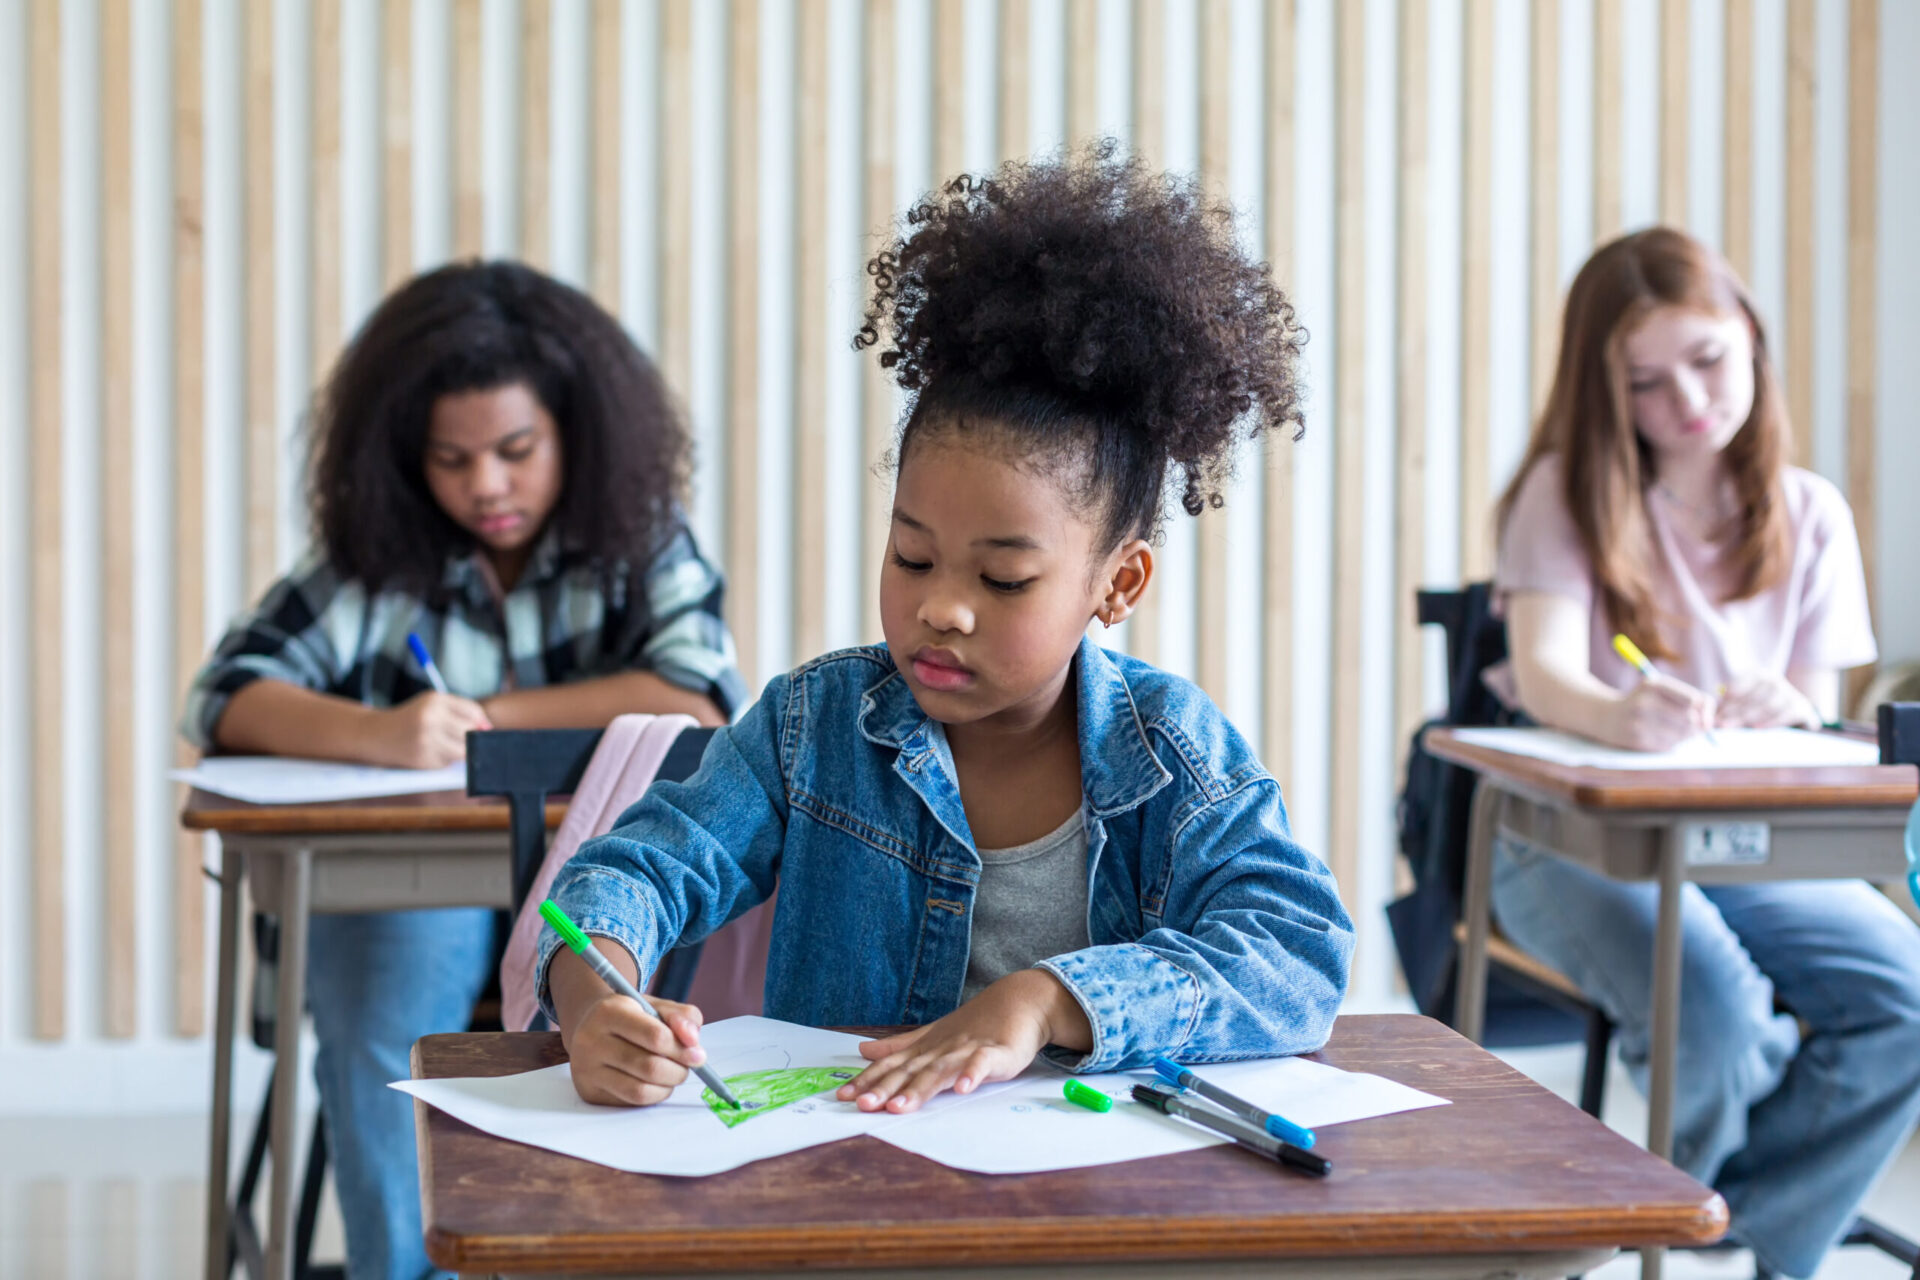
990,827
497,468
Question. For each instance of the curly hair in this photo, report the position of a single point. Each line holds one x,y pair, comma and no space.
477,326
1096,311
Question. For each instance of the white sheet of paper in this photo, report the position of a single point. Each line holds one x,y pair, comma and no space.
1020,1126
1735,749
1030,1127
286,780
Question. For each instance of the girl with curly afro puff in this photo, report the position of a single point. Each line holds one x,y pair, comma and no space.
990,827
497,469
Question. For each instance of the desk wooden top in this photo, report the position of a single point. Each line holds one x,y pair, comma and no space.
1508,1166
1821,787
426,812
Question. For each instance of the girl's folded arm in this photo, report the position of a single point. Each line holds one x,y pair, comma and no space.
689,856
1251,959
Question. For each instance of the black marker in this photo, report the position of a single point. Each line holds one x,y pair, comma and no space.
1241,1132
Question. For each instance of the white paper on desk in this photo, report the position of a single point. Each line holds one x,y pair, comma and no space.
287,780
679,1136
1018,1126
1030,1127
1734,749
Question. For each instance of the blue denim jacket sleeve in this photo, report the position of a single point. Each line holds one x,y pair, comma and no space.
687,857
1249,961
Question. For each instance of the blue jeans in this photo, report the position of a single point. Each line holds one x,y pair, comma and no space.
375,984
1791,1130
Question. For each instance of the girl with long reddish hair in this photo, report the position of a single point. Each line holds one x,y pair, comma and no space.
1654,500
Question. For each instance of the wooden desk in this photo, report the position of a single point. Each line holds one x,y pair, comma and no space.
1509,1180
442,849
1823,823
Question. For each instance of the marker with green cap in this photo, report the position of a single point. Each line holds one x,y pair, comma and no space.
1087,1096
583,947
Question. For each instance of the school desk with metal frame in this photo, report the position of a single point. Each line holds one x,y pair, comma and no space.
1711,826
442,849
1508,1180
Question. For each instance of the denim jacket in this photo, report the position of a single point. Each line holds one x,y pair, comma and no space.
1214,935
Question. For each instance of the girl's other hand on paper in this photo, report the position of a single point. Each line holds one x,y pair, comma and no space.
1767,702
991,1037
623,1058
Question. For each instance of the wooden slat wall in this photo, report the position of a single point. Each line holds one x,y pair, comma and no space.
120,935
743,334
1476,292
1863,267
189,494
1673,112
1015,80
1607,161
604,271
326,186
809,566
396,37
47,652
1544,200
1350,442
876,388
676,195
1083,66
1276,588
1801,75
1149,139
468,208
1410,489
949,89
262,437
1210,541
1737,140
536,132
243,371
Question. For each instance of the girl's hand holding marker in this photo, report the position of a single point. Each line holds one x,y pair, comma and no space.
1660,712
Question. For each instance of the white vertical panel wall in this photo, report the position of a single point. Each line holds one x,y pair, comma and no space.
86,1070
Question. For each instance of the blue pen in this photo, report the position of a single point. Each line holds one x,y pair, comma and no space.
425,659
1285,1130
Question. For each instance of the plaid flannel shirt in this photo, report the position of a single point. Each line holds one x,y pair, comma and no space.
568,618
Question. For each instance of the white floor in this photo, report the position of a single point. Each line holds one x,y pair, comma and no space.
121,1199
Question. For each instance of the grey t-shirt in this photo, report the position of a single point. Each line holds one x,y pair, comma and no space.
1031,904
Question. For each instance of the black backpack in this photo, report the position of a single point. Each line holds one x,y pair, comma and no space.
1433,813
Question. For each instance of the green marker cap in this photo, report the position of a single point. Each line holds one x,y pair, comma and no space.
569,931
1087,1096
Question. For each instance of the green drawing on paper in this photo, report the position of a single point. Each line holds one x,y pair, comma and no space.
763,1091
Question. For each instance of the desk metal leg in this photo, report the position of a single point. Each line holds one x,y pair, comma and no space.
220,1146
1470,986
296,880
1665,1046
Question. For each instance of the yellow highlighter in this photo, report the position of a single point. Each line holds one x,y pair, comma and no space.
1630,653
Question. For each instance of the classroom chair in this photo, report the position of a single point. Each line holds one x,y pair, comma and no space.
525,766
1475,641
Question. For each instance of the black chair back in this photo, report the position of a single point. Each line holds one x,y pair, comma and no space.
528,765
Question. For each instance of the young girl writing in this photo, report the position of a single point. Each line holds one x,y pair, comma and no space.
497,469
990,827
1653,502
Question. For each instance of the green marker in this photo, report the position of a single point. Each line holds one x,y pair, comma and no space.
1087,1096
583,947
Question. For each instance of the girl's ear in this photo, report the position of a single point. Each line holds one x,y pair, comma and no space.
1126,581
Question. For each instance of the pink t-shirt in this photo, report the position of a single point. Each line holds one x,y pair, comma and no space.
1815,618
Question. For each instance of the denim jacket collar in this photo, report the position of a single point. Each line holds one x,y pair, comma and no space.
1118,769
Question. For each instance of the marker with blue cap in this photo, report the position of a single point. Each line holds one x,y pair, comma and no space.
1181,1078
